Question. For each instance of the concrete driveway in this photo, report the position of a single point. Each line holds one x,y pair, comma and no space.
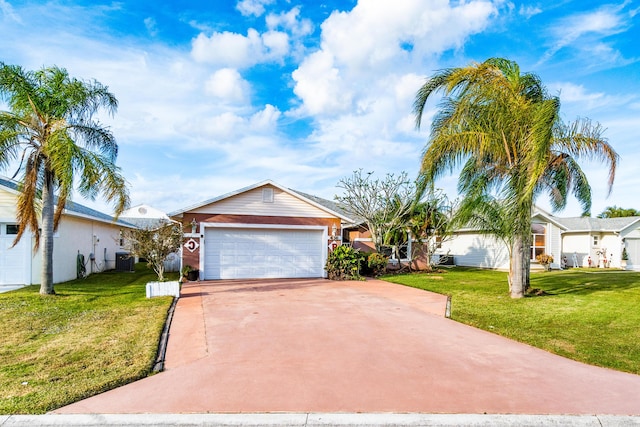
323,346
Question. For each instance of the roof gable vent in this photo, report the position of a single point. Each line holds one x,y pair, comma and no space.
267,195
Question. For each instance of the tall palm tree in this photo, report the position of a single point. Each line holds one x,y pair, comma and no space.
505,131
616,212
50,132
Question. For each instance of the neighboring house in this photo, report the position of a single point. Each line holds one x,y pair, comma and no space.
571,241
261,231
147,217
144,216
82,231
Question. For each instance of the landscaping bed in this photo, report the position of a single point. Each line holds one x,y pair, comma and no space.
96,334
588,315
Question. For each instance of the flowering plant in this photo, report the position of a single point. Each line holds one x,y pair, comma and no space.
545,260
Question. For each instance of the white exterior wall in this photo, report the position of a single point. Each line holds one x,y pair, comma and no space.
250,203
476,250
76,234
7,205
578,244
613,245
554,245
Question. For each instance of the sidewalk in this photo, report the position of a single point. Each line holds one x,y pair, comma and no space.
317,420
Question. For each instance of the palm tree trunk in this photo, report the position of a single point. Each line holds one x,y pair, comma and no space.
518,268
46,281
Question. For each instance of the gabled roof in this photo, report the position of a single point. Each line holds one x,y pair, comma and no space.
323,204
71,208
336,207
144,216
597,224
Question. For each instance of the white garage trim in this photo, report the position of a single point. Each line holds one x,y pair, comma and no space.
322,245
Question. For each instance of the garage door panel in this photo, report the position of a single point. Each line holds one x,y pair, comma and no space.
13,259
633,250
263,253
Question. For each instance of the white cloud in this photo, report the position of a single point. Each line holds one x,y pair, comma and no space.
529,11
237,51
377,38
252,7
319,84
151,26
265,120
572,93
374,32
228,127
228,85
585,30
276,45
7,10
224,126
291,22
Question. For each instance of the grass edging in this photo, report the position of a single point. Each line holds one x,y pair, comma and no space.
592,318
94,335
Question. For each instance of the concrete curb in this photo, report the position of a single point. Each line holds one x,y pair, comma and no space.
316,420
158,365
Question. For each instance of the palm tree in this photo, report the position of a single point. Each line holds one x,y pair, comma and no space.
50,132
505,131
616,212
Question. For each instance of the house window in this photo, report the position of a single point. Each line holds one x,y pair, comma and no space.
596,241
267,195
538,241
390,252
12,229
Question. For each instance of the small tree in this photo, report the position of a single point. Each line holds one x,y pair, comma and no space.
625,254
430,224
154,244
383,204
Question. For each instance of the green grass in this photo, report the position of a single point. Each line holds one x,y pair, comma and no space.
94,335
588,315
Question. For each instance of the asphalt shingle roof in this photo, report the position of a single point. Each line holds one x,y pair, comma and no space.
596,224
72,207
331,205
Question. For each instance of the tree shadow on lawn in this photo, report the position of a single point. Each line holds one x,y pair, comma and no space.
585,282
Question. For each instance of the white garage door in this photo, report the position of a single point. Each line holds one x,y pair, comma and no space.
13,261
633,250
232,253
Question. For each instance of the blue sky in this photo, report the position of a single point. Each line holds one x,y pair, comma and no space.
218,95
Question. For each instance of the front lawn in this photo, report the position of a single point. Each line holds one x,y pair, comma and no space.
94,335
588,315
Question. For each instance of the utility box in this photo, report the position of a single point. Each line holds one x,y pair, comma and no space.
124,261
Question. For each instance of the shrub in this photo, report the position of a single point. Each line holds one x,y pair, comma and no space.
545,260
343,263
625,255
377,262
